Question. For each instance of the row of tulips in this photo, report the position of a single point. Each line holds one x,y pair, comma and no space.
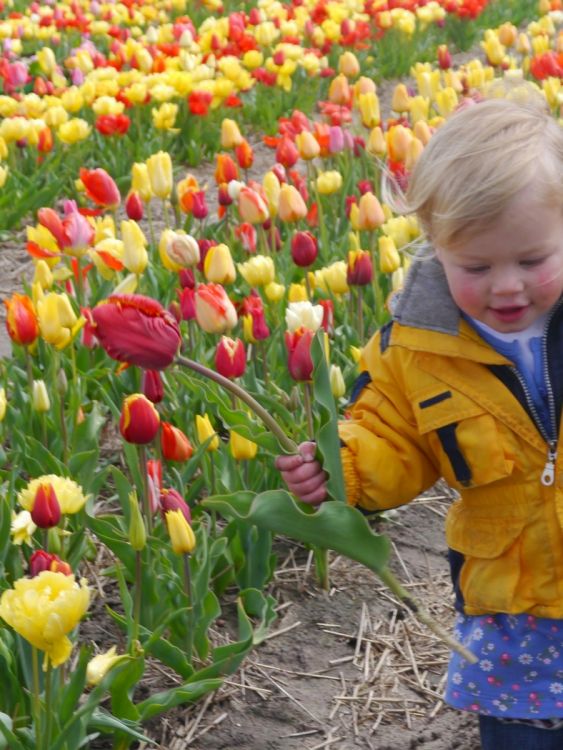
266,288
83,83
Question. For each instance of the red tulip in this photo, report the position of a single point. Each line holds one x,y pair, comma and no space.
154,482
299,361
41,560
138,330
304,249
328,315
139,421
287,152
174,443
230,357
186,278
21,319
46,511
171,499
187,303
152,386
134,206
360,268
100,187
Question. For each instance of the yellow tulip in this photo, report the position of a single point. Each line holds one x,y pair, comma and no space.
418,108
307,145
368,104
4,171
274,292
329,182
73,131
272,187
100,665
164,116
376,145
205,431
137,531
43,609
230,134
337,384
57,320
414,151
181,533
333,278
258,270
40,397
3,404
400,100
297,293
218,265
159,168
140,181
241,448
389,258
178,250
22,528
72,99
348,64
135,256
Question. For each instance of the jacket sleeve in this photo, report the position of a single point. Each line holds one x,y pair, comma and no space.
386,462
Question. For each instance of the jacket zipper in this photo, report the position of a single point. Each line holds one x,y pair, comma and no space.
548,473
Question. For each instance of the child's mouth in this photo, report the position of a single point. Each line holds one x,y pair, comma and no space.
509,314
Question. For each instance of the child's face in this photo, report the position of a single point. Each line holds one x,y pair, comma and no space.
511,273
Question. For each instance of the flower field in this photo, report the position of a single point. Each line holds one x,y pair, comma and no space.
203,191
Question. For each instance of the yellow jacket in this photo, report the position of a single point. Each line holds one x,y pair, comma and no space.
433,404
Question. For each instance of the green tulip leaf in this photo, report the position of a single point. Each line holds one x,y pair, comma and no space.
328,440
103,721
74,686
7,735
333,525
167,699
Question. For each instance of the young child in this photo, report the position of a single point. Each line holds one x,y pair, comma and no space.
466,383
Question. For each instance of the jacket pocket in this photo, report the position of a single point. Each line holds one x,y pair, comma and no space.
465,439
491,548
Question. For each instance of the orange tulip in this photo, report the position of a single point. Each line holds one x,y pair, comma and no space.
174,443
244,154
370,215
226,169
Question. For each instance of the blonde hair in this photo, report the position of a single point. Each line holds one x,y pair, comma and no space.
479,160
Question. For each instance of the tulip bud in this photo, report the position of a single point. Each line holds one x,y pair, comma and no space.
46,511
299,361
100,665
304,249
400,100
370,214
41,560
218,265
348,64
291,206
134,206
152,385
3,404
159,168
181,533
337,385
174,443
230,357
137,531
139,421
241,448
39,397
205,431
170,499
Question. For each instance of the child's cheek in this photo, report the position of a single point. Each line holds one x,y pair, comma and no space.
467,295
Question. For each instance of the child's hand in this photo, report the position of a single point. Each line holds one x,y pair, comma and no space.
303,474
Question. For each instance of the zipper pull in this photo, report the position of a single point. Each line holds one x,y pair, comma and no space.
548,473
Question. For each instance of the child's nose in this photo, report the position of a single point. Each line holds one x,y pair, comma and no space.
508,281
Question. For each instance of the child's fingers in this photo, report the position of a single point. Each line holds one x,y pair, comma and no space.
308,483
288,463
308,450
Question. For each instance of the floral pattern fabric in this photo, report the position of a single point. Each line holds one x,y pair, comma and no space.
519,672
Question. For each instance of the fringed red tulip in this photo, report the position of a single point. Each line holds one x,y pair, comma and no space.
138,330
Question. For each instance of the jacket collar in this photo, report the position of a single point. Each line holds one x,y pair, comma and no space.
425,300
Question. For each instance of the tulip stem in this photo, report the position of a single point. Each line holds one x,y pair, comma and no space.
29,369
137,601
308,409
190,608
360,293
286,442
36,699
48,713
144,489
421,614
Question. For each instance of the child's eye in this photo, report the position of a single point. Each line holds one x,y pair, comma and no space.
531,262
476,269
